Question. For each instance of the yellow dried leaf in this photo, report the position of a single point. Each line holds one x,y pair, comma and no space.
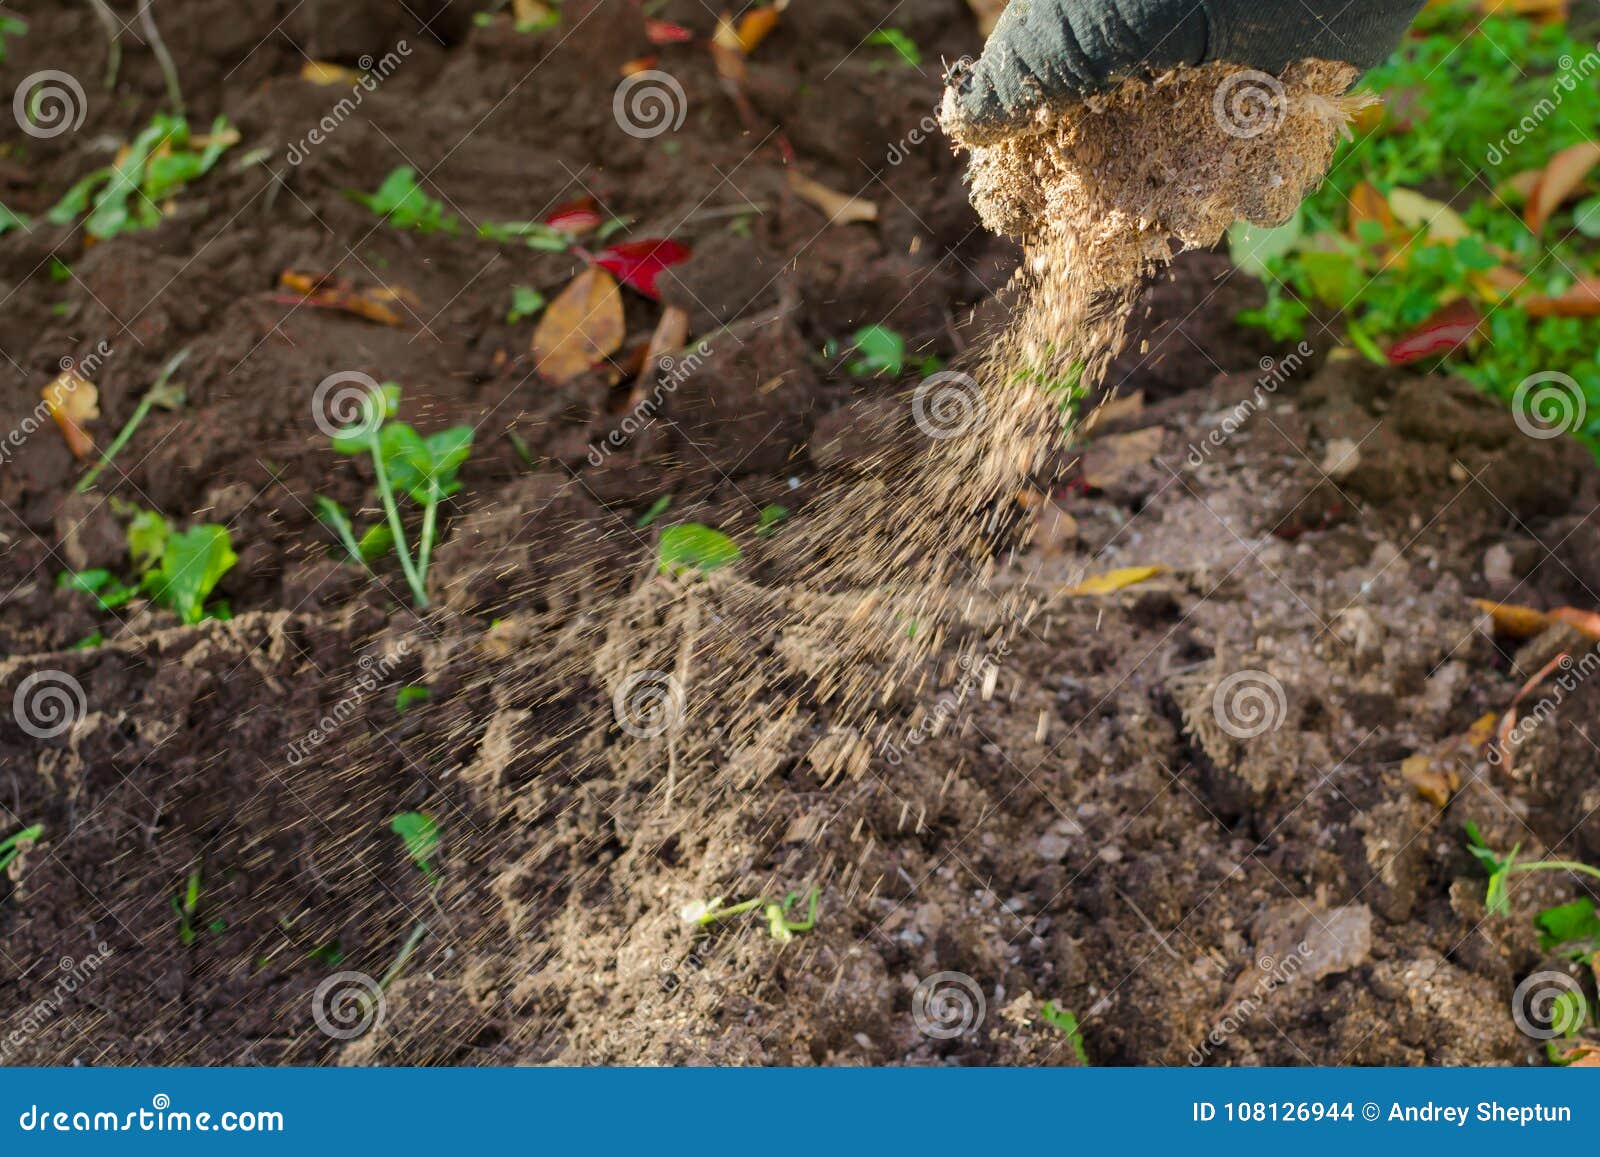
1415,211
1432,782
321,72
840,208
1116,580
73,402
754,27
580,327
1513,621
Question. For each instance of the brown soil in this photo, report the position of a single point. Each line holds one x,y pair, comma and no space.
1085,832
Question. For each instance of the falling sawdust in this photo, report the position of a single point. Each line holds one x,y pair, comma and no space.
883,593
710,713
888,571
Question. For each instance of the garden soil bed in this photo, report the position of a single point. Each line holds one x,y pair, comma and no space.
1082,828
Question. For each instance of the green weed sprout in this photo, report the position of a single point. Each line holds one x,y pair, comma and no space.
421,836
693,547
13,845
781,928
177,570
186,907
1067,1023
401,202
403,461
127,196
1496,897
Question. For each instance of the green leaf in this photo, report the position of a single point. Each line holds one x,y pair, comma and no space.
657,509
9,220
1067,1023
401,201
192,564
771,515
424,467
1585,217
525,303
900,42
409,696
421,836
881,351
376,543
147,539
692,546
11,846
534,234
1568,924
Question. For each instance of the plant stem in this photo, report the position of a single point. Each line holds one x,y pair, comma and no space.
430,519
108,22
396,527
139,414
1555,866
169,70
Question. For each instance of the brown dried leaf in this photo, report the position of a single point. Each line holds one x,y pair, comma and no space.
840,208
1582,300
1585,622
1561,178
73,402
1108,460
580,327
672,333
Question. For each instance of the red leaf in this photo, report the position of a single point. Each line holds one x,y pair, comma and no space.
640,263
661,32
1448,328
575,217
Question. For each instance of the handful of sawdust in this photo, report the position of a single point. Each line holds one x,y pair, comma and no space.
1100,190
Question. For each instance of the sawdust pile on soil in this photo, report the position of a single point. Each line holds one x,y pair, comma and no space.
881,597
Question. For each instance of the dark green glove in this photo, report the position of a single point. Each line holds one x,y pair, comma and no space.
1048,51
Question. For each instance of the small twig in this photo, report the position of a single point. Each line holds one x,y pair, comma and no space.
156,395
164,58
113,31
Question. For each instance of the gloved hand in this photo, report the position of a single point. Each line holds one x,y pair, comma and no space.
1044,52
